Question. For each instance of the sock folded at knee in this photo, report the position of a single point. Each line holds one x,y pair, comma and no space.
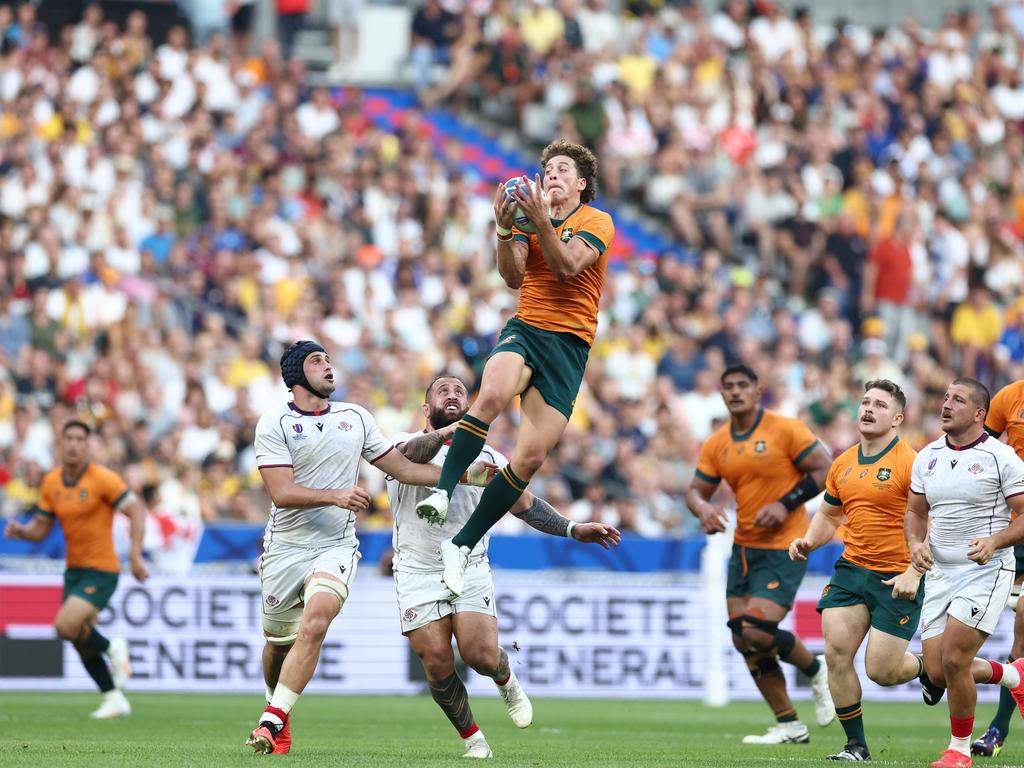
94,639
467,442
498,497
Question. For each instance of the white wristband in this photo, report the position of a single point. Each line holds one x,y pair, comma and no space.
568,530
502,231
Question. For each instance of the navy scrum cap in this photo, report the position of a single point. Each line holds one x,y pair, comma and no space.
291,364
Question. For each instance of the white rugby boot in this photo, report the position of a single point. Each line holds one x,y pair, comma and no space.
520,710
824,709
781,733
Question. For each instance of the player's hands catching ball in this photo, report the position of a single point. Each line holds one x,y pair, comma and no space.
799,549
504,208
981,550
354,498
921,557
534,202
597,533
771,515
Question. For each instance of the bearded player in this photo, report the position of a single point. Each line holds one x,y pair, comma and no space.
542,351
429,617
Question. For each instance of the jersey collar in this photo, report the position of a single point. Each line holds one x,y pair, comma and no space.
982,439
862,459
738,437
560,222
72,482
294,407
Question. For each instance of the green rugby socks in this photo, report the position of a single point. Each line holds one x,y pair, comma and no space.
498,497
467,442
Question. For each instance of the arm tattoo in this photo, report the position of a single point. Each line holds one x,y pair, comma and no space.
544,518
423,448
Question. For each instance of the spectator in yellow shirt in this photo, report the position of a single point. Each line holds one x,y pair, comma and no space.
541,26
975,329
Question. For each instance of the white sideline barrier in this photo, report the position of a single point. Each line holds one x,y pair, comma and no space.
600,636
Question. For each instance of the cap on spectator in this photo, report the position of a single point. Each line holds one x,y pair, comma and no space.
917,342
873,327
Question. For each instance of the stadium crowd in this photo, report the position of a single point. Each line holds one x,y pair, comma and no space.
847,206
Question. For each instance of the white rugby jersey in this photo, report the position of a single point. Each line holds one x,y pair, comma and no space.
323,449
967,489
417,543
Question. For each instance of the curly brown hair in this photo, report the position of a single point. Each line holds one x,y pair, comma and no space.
586,164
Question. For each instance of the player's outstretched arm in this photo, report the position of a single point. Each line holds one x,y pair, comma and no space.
823,527
915,528
286,493
423,448
537,513
35,529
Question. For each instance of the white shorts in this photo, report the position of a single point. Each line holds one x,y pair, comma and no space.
423,598
284,570
973,594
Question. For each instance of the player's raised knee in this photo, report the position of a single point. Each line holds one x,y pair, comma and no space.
69,629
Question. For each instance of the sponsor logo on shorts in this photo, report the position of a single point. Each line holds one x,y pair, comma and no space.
272,601
487,601
975,612
760,446
506,340
344,426
409,615
884,474
976,469
824,592
904,620
90,590
772,585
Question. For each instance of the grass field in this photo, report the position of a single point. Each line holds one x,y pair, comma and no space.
53,731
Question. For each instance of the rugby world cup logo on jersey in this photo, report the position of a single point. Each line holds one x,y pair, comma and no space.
931,466
297,432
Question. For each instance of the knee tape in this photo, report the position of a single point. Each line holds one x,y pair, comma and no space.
281,630
761,665
318,584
